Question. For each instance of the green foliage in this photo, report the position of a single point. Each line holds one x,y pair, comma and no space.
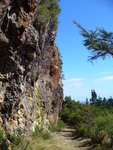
39,133
81,131
102,127
14,139
48,10
99,42
93,97
99,101
71,111
87,102
60,63
4,144
8,141
46,135
57,127
89,120
1,135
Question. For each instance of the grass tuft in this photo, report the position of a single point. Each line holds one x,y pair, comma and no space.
57,127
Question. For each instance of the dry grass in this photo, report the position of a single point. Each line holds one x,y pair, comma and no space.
38,144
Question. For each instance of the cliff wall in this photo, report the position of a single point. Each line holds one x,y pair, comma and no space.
31,90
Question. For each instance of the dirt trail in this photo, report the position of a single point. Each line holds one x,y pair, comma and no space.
66,141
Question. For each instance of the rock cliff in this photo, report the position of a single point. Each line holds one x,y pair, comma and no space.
31,90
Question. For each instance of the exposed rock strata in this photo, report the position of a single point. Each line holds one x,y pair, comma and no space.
30,79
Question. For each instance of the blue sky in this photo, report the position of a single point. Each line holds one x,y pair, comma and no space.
82,76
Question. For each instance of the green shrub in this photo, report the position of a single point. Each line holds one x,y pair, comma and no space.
14,139
48,10
81,131
4,144
60,63
1,135
46,135
95,123
39,133
102,129
57,127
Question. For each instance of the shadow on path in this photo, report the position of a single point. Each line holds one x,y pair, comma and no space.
68,141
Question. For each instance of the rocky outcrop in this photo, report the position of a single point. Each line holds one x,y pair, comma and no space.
30,78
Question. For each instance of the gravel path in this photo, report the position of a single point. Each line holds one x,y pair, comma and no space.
66,140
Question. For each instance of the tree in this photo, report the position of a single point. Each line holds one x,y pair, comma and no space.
87,101
93,99
104,102
99,101
98,42
110,102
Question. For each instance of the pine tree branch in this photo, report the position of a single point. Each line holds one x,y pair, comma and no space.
99,42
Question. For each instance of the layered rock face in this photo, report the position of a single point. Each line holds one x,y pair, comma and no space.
30,77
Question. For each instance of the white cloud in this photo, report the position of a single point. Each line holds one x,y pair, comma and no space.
66,76
105,73
72,85
107,78
74,80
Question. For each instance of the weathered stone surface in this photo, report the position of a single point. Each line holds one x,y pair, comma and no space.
30,79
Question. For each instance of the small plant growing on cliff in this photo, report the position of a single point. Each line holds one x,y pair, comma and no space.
48,10
39,133
1,135
4,143
17,141
60,63
57,127
14,139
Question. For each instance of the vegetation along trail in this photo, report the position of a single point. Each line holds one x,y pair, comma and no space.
66,140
